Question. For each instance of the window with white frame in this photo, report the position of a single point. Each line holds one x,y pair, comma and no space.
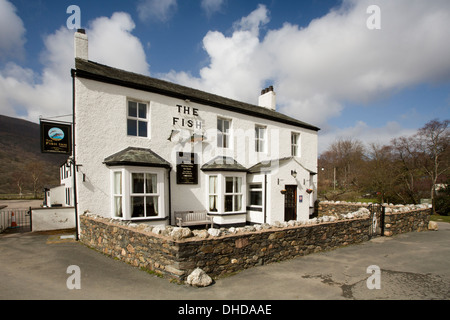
213,194
117,194
256,195
233,194
144,195
137,194
260,139
137,119
295,144
223,133
226,193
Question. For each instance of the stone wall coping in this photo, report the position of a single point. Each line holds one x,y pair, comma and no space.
167,233
182,235
389,205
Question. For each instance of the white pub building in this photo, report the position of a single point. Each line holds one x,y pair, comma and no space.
146,149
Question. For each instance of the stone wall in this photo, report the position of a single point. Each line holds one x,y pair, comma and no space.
403,222
218,253
329,208
175,252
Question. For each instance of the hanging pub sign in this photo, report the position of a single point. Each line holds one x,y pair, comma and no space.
56,137
187,168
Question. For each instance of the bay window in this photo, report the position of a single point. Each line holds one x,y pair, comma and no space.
117,194
226,193
144,195
213,194
233,194
137,194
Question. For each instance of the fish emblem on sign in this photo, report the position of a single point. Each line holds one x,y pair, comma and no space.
56,134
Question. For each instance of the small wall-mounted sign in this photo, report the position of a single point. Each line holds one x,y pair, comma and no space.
300,198
187,168
56,137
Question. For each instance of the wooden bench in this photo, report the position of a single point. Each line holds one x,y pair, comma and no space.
192,218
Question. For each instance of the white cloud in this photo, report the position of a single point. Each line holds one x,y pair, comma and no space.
212,6
363,132
111,43
12,34
235,68
335,60
26,94
159,10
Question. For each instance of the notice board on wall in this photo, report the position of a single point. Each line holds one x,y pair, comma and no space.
187,168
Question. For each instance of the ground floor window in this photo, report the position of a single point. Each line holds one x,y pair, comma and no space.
137,194
233,194
213,194
226,193
256,195
144,195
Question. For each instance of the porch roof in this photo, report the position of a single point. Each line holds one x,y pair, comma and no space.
136,157
267,166
224,164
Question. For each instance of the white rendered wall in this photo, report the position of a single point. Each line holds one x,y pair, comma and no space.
101,131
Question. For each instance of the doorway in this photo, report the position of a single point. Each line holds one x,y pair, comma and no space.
290,203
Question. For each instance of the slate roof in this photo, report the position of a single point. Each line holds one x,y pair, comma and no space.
224,164
136,157
267,166
95,71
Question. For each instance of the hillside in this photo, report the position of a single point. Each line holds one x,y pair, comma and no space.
21,159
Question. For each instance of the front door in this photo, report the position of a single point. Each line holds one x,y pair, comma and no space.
290,203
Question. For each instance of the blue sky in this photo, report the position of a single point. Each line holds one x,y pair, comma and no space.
328,68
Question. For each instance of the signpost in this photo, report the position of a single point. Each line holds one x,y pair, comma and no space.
56,137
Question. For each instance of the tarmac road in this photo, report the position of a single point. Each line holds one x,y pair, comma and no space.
414,266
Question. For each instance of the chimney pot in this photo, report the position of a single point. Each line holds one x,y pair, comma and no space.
81,45
267,99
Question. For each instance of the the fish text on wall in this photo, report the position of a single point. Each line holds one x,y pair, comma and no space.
189,118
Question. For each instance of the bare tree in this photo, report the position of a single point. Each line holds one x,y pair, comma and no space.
19,177
432,144
35,170
342,164
380,172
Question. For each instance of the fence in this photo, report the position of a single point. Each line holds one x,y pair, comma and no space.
19,220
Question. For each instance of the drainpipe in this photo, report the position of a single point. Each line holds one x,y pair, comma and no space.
265,198
74,174
170,199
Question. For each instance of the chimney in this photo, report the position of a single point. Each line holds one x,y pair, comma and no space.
267,99
81,44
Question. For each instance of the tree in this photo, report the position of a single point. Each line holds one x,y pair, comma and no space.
432,143
341,165
35,170
407,173
379,174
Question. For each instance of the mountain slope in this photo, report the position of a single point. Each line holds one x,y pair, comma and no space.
22,165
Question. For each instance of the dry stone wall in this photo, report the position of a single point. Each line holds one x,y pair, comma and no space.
175,252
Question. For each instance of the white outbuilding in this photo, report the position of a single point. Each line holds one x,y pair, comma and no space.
146,149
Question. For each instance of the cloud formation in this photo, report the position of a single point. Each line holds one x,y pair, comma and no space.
158,10
335,60
12,35
212,6
27,94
